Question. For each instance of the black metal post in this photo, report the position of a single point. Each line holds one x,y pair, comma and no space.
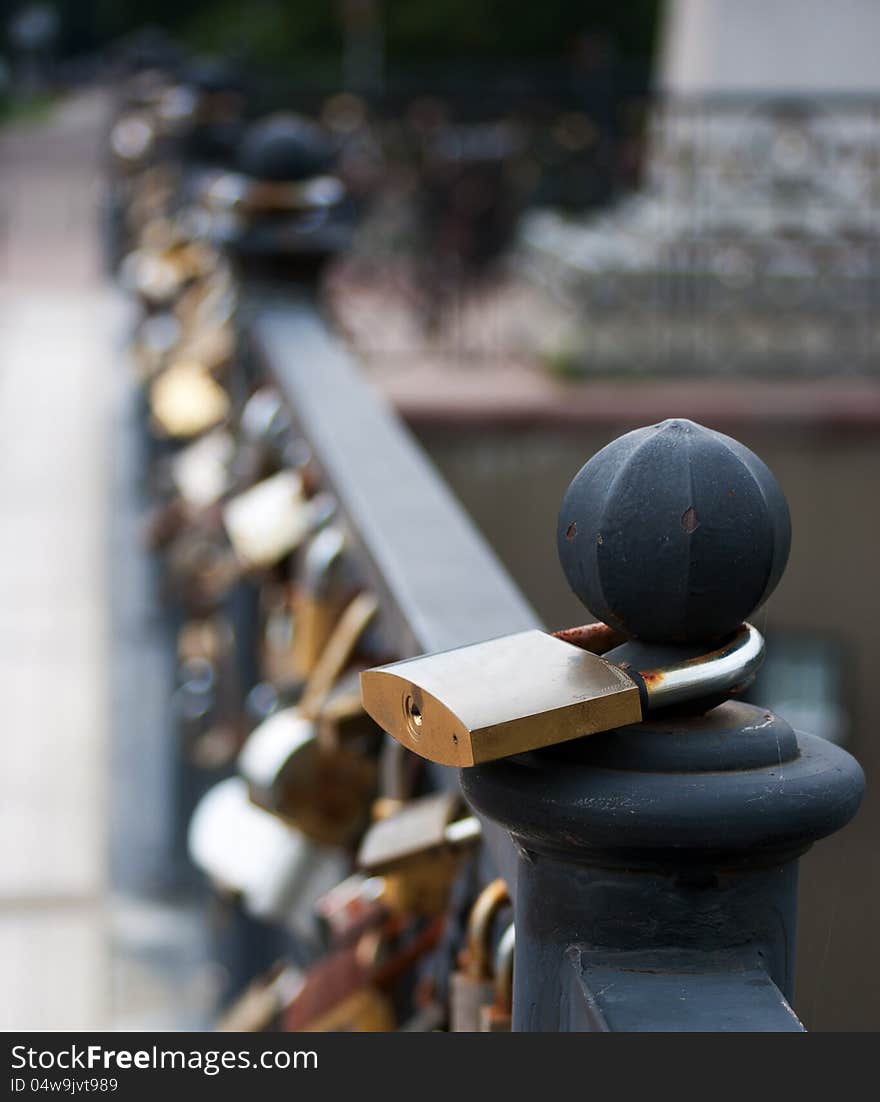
657,871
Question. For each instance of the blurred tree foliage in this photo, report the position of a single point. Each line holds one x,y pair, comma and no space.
311,32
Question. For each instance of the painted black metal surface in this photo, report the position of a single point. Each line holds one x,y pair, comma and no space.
657,877
285,147
643,993
674,533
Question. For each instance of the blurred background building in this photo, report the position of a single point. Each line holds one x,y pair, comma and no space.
563,221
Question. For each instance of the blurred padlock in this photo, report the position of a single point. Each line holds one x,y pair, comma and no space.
277,635
323,791
201,471
186,401
498,1017
269,520
199,569
418,851
318,598
257,1009
154,342
213,297
277,872
132,140
350,990
295,763
339,997
264,431
473,985
151,275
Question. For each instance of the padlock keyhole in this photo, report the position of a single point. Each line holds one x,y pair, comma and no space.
413,717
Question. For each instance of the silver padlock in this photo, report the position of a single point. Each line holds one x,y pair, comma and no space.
276,871
498,1018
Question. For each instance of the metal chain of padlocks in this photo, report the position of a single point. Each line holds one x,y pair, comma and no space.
310,821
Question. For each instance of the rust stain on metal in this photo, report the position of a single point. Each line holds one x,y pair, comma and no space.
689,520
571,531
596,638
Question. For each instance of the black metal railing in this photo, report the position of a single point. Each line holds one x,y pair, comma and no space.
439,583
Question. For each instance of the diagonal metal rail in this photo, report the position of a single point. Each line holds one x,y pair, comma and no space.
439,583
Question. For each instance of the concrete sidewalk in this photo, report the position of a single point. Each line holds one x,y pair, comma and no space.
59,329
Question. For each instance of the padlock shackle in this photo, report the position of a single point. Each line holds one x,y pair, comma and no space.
729,667
715,673
478,953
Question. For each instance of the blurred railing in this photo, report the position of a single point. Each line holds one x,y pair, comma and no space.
439,584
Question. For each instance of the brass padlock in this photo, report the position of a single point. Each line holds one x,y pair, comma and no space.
211,346
498,1018
296,767
324,792
472,987
418,851
185,400
525,691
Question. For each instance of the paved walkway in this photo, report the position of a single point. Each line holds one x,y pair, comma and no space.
59,324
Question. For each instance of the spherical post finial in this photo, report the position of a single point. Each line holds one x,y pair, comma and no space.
284,147
674,533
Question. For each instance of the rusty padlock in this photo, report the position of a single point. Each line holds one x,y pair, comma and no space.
472,987
350,991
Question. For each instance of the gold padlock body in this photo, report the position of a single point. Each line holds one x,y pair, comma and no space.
422,885
325,792
498,698
185,400
315,618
